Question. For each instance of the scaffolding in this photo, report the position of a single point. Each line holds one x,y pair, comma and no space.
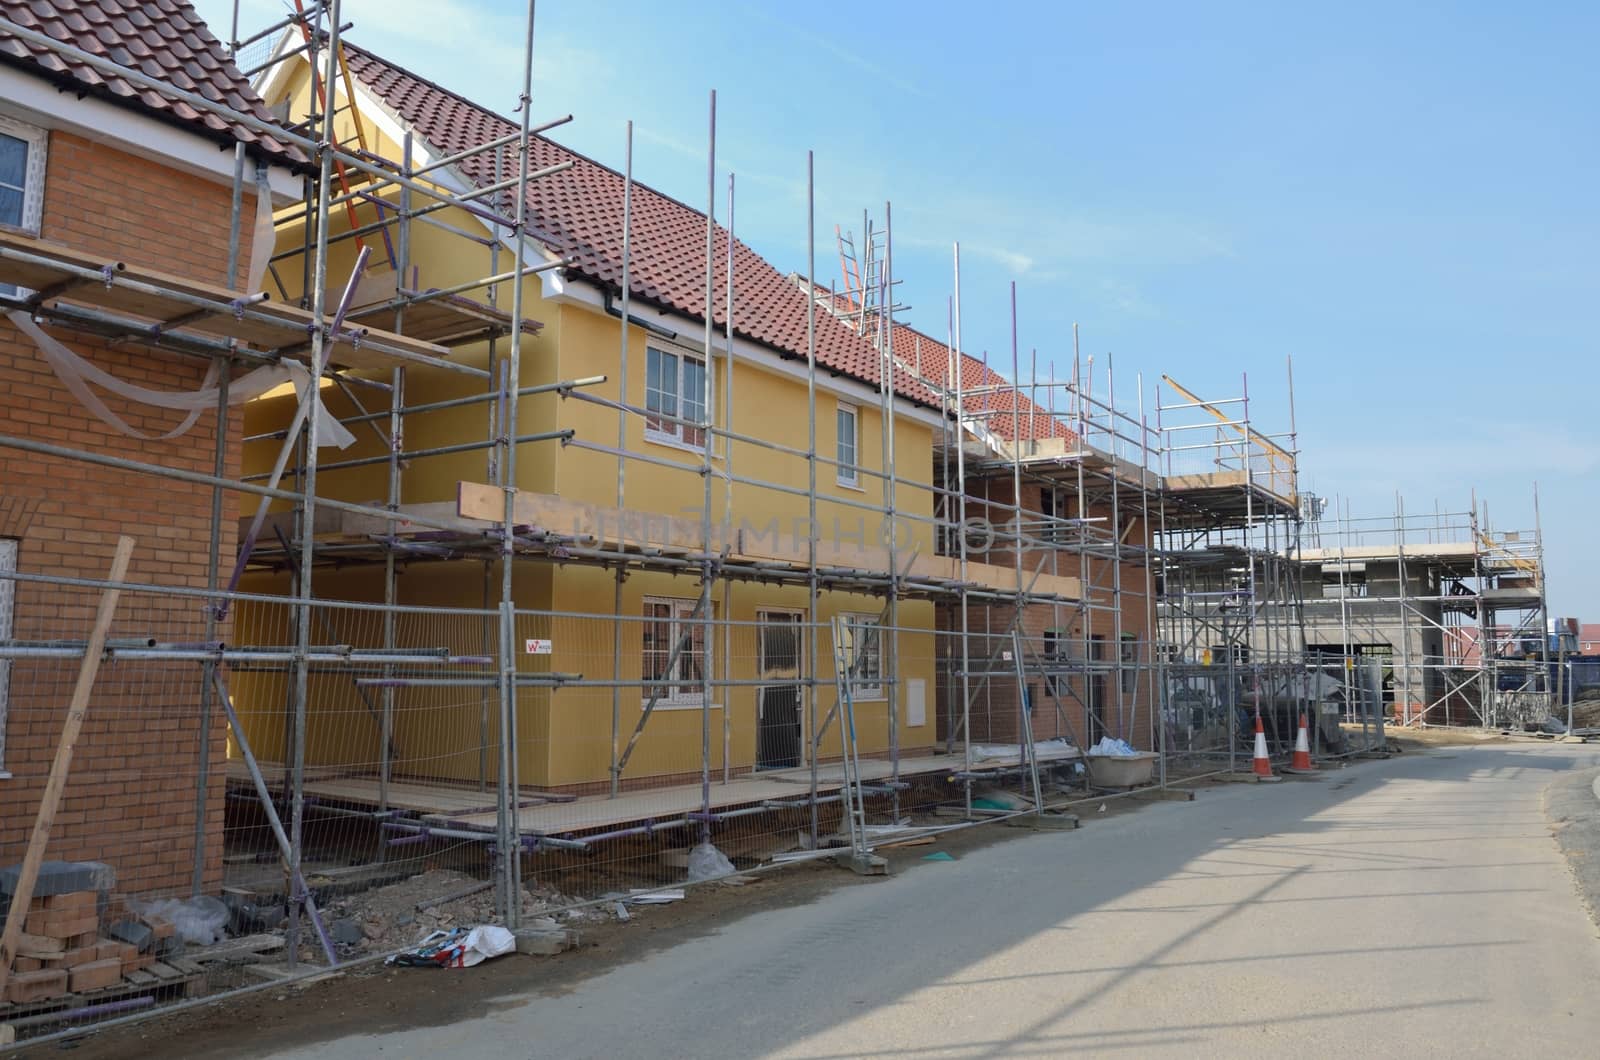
1085,575
1453,610
1231,612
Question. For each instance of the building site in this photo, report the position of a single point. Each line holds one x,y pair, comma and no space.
391,493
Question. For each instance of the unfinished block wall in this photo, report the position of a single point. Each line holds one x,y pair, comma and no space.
132,799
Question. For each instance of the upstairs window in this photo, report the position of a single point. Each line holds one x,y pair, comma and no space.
22,151
675,398
848,451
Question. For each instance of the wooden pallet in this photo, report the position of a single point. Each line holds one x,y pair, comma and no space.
171,978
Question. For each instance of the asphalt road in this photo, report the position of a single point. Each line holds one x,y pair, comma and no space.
1418,906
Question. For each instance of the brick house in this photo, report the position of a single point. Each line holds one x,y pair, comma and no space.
1087,662
93,164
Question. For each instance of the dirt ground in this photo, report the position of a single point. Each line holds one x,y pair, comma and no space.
373,997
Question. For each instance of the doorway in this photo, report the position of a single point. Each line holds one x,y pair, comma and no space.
779,640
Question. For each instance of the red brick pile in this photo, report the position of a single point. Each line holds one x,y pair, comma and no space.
62,949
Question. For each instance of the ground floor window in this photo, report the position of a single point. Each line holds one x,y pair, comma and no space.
675,657
863,654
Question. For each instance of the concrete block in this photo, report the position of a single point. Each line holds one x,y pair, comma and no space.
138,935
161,926
95,975
26,964
36,986
544,943
61,877
1167,794
88,938
347,932
868,865
107,949
1045,822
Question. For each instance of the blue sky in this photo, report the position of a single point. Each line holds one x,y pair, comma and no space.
1401,197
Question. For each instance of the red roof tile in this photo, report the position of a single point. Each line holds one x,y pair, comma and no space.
578,213
1012,414
165,39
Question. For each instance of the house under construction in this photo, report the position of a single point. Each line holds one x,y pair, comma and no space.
561,532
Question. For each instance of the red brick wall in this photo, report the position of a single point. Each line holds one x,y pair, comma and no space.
994,714
131,796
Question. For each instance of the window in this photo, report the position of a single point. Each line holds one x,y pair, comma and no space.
22,153
863,654
674,392
8,596
673,682
848,451
1130,663
1055,657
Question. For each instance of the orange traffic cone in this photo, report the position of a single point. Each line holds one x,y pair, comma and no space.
1301,761
1260,765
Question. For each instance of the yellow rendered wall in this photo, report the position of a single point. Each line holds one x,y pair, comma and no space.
566,736
580,732
440,733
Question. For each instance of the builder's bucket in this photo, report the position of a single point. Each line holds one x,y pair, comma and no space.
1122,771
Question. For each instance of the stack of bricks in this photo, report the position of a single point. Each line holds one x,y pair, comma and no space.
63,950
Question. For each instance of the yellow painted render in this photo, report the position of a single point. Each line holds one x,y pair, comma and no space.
565,736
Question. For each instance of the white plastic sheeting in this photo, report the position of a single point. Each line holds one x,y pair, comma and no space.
77,373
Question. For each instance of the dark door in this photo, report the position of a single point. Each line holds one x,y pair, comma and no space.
778,733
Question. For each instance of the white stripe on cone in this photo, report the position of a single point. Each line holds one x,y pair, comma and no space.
1259,763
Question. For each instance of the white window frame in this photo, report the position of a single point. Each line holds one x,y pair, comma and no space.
847,472
9,548
679,695
38,141
675,433
863,691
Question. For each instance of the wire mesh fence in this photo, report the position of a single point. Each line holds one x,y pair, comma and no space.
399,794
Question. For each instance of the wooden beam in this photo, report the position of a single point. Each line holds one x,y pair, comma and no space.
611,527
1222,417
57,782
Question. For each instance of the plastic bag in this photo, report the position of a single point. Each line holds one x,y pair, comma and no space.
706,862
1109,747
458,948
201,921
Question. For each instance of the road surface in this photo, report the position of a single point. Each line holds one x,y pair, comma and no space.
1417,906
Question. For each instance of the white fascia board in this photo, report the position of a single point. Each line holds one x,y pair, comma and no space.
39,102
